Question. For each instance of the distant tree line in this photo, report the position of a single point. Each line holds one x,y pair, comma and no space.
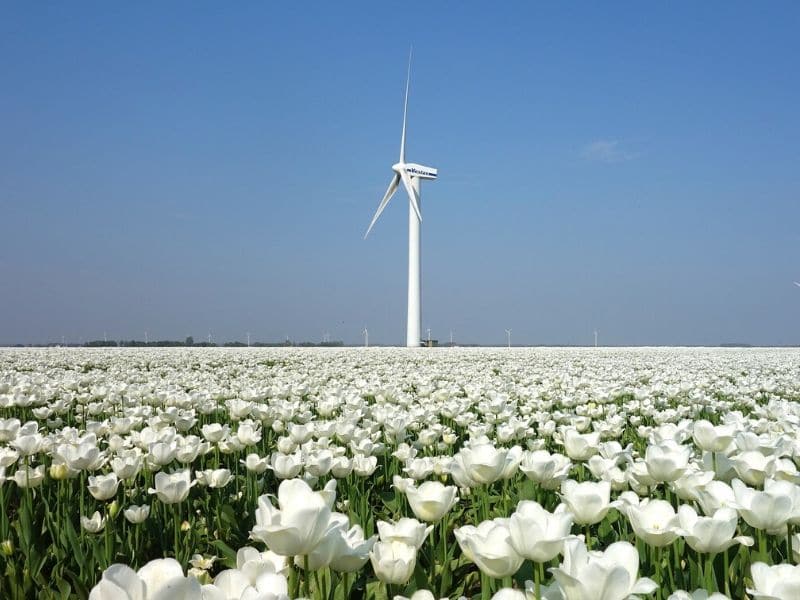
189,342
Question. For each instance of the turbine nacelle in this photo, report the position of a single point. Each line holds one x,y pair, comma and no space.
415,170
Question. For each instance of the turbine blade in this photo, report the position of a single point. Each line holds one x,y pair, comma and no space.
405,110
797,283
412,193
388,196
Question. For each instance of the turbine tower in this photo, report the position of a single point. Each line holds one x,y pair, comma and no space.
411,174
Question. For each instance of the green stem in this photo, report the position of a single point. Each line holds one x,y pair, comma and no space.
320,590
659,575
306,578
485,590
711,582
445,574
107,536
293,583
726,573
670,572
334,579
177,531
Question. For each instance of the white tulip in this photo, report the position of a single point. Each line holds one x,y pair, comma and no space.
489,546
710,534
93,524
136,514
408,531
298,524
588,501
103,487
431,500
393,562
583,575
778,582
537,534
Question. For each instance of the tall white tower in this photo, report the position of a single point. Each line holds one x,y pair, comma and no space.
414,320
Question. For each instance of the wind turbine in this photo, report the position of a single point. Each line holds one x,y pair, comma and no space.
366,337
411,174
595,338
508,333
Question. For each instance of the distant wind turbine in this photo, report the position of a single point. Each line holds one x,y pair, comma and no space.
366,337
508,333
595,338
411,175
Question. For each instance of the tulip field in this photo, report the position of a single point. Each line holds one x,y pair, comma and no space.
380,473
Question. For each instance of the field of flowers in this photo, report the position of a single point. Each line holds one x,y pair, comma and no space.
257,474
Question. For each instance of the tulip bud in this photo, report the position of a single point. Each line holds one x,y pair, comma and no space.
185,526
7,547
59,471
113,509
200,575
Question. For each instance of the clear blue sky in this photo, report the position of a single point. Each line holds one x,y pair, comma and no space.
191,166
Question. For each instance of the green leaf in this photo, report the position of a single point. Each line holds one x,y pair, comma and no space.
228,554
